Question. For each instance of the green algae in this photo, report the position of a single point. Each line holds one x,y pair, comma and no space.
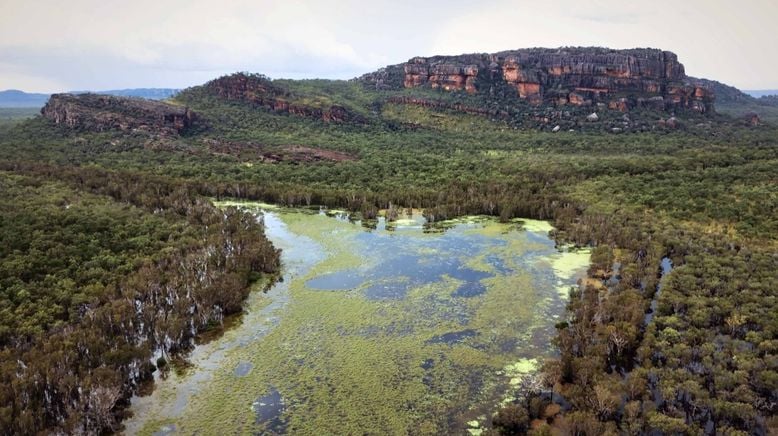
569,266
569,262
533,225
346,364
518,370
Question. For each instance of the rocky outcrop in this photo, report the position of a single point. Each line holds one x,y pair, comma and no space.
724,93
258,90
447,76
95,112
621,79
752,119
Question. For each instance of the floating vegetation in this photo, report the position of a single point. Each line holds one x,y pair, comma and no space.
518,370
420,333
252,205
537,226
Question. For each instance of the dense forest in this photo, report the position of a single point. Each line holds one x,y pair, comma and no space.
100,271
674,331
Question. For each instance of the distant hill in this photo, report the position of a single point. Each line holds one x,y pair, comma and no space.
736,103
19,99
761,92
14,98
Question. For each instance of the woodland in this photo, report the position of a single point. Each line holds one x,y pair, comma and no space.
113,258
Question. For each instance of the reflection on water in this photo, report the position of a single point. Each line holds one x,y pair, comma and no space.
270,410
406,261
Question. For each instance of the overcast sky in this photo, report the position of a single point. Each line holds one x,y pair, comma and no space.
55,45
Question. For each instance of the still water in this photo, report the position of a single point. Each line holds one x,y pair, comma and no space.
391,330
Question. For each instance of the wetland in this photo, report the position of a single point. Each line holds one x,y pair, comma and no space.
396,329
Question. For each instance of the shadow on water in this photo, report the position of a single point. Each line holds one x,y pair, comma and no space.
469,289
269,411
452,338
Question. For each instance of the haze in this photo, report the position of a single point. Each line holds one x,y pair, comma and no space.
50,46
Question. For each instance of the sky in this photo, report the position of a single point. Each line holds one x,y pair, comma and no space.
54,45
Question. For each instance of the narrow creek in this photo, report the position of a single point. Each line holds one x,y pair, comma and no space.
665,266
391,330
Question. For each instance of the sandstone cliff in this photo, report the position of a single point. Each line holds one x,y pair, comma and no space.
621,79
260,91
103,112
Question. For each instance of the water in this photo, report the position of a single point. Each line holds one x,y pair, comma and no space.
452,338
270,411
666,266
243,369
389,330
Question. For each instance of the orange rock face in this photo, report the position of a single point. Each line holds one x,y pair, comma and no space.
414,80
558,70
416,72
529,91
525,80
574,76
621,105
577,99
449,77
689,96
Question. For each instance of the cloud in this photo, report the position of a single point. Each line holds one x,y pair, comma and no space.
724,40
173,43
89,42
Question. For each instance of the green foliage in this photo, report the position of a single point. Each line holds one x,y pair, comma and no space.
62,249
99,270
704,195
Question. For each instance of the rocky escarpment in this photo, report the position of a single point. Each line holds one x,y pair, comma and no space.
621,79
258,90
95,112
